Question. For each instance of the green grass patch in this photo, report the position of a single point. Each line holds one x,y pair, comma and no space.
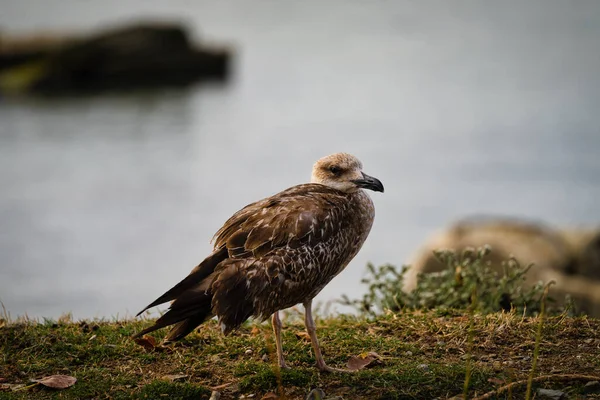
424,355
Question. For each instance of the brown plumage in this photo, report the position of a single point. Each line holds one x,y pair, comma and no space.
276,253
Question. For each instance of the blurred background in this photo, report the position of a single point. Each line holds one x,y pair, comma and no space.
460,108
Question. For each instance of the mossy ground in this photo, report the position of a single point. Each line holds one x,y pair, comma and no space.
425,356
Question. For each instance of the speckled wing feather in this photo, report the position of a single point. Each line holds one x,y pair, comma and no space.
301,215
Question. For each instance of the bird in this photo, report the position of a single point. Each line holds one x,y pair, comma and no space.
276,253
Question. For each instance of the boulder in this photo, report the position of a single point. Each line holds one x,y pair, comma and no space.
135,56
570,257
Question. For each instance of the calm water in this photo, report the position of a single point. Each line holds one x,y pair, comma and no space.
474,107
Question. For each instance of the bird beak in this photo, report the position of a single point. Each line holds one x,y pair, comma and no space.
368,182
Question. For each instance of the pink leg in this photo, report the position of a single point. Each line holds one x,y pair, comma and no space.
277,329
312,332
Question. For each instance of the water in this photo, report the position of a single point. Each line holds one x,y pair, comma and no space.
478,107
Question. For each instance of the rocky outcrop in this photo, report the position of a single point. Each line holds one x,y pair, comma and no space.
570,257
136,56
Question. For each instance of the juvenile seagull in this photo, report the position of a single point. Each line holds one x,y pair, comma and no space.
276,253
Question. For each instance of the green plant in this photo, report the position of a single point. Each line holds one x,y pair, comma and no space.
465,275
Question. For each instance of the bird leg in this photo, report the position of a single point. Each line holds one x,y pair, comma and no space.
312,332
277,330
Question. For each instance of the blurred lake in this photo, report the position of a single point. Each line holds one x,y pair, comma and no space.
458,107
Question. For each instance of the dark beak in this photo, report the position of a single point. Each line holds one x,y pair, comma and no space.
368,182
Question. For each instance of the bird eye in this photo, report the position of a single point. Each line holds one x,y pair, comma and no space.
334,169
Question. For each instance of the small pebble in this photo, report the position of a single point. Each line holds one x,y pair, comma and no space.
591,387
423,367
265,358
316,394
549,394
408,353
215,395
248,352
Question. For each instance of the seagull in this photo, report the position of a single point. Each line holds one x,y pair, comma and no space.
276,253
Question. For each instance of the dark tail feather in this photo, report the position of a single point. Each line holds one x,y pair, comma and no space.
189,310
231,300
198,274
183,328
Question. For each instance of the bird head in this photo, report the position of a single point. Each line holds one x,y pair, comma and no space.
343,171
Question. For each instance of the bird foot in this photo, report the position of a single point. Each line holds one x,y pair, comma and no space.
283,365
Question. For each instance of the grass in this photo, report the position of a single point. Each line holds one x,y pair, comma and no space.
467,332
424,357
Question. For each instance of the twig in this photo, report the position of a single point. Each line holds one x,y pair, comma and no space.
554,378
26,387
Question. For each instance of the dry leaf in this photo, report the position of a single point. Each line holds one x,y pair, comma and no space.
255,331
57,381
147,342
269,396
303,336
175,378
364,360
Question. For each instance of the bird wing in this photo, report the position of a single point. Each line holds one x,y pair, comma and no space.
303,214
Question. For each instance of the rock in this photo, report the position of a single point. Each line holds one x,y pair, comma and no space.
591,387
316,394
215,395
549,394
121,58
570,257
423,367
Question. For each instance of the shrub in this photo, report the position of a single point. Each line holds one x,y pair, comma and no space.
467,281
